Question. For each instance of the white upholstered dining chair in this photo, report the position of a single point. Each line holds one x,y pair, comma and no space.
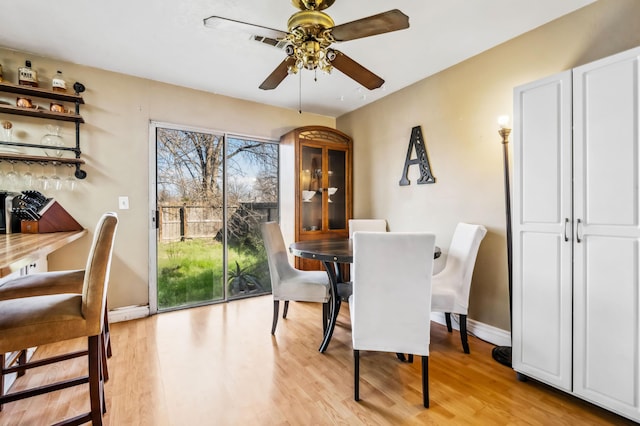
384,318
368,225
361,225
289,283
452,285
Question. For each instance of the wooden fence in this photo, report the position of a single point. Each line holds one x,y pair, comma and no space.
180,222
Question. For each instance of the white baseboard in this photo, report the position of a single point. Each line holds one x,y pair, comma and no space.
481,330
127,313
488,333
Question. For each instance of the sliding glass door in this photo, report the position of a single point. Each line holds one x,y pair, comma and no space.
252,198
212,190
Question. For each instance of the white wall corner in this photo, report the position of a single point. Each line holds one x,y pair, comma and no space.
482,331
127,313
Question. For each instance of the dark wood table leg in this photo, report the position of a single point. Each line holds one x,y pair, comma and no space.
335,304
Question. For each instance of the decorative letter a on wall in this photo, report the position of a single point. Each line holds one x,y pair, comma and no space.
417,141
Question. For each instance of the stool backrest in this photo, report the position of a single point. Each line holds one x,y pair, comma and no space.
96,277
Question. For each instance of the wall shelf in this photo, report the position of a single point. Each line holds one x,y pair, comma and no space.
41,113
13,158
39,92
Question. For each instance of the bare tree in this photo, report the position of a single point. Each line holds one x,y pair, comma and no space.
190,167
189,164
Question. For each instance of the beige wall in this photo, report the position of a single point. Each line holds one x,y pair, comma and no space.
457,110
115,145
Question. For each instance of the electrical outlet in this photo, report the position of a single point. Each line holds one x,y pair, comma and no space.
123,203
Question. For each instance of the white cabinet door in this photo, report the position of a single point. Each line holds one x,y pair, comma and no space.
541,225
607,206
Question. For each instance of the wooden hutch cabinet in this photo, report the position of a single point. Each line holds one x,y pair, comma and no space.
315,186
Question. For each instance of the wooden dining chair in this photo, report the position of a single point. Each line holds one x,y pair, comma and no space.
391,297
289,283
39,320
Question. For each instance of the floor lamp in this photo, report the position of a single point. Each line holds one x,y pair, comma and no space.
502,354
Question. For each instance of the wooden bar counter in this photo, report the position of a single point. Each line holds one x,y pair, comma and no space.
19,250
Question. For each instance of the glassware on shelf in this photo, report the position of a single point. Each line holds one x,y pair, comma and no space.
70,180
331,191
54,180
7,130
43,179
307,196
27,177
53,139
12,178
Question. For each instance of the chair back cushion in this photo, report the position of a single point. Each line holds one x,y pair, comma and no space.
279,266
369,225
461,260
465,245
96,277
391,301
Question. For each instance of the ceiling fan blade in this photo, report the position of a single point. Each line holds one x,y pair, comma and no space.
279,74
381,23
357,72
220,23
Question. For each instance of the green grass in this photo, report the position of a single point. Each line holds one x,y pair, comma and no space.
190,272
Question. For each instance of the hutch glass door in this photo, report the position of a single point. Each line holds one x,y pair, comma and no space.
336,189
311,185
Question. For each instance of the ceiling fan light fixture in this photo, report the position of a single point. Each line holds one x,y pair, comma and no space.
310,55
310,34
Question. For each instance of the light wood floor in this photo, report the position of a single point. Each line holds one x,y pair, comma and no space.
218,365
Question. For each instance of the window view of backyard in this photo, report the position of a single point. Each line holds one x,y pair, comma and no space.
213,191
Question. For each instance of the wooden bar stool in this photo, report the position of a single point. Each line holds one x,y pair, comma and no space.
38,320
42,284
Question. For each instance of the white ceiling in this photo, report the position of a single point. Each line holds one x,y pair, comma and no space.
165,40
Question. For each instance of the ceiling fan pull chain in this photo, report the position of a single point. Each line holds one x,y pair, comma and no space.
300,93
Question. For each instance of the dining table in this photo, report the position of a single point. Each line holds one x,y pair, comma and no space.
332,253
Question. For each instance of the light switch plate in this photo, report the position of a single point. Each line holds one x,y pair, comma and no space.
123,203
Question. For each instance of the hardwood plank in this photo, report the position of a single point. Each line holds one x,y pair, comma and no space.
219,365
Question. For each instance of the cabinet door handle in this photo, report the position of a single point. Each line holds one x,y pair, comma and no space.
566,225
578,223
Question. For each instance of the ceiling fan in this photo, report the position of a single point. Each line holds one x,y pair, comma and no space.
310,34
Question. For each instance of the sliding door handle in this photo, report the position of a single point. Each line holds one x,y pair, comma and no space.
566,225
578,228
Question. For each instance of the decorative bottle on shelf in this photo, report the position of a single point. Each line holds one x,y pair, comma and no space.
27,76
57,83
